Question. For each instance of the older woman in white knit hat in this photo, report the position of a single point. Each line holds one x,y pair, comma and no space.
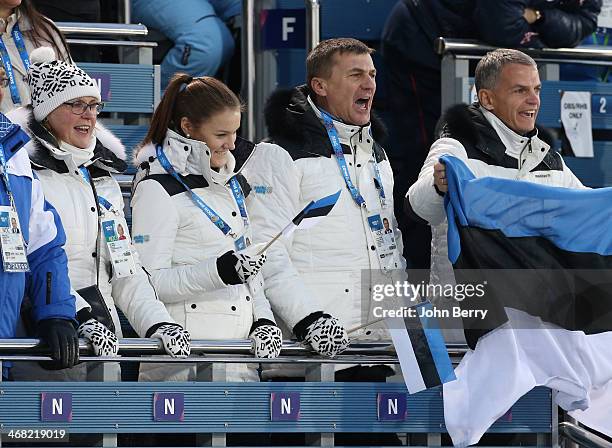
74,158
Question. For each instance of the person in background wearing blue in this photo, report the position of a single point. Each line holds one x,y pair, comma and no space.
199,29
34,263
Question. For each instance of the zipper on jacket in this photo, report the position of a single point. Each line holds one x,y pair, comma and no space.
521,154
49,283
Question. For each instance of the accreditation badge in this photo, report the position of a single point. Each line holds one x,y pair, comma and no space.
14,257
244,240
383,235
117,238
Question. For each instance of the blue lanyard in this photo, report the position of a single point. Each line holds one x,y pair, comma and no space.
101,200
379,184
335,142
18,39
5,177
240,201
209,212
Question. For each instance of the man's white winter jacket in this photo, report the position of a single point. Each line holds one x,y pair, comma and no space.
489,148
326,267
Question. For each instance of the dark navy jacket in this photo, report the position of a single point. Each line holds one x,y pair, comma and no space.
564,23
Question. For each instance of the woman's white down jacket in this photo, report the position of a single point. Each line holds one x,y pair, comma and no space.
179,246
72,197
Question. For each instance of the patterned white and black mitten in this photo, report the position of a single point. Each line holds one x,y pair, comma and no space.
103,341
248,265
267,340
175,339
236,268
326,336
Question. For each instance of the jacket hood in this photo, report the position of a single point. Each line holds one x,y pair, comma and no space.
109,153
465,121
468,124
189,156
289,117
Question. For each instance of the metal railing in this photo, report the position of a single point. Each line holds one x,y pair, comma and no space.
313,24
103,29
580,55
457,53
112,34
127,11
230,351
582,436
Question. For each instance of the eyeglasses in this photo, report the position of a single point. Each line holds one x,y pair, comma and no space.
79,107
4,82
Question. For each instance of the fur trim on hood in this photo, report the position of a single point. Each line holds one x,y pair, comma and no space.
109,153
465,121
23,115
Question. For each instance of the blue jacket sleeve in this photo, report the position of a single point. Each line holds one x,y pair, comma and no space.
47,283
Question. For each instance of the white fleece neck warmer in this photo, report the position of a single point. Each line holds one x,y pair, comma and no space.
79,155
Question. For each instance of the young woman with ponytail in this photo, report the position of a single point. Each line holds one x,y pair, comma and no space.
191,224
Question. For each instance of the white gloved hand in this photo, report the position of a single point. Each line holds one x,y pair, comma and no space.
326,336
249,262
103,341
267,341
175,339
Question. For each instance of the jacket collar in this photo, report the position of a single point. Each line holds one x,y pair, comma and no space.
189,156
44,149
293,121
513,142
6,26
346,132
469,124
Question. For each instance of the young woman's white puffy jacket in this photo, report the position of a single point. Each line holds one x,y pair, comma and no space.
179,246
72,197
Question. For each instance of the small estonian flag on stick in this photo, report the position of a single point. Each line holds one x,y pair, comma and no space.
308,217
421,350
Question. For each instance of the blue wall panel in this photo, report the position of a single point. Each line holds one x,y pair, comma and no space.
244,407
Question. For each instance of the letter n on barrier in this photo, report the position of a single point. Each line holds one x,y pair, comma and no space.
392,406
168,407
284,406
56,406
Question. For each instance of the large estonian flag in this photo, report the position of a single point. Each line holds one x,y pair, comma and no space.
545,254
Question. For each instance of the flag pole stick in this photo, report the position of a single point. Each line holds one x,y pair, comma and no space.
359,327
263,249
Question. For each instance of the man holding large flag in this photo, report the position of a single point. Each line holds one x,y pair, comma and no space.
325,141
495,137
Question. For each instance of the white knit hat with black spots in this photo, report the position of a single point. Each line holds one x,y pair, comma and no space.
54,82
